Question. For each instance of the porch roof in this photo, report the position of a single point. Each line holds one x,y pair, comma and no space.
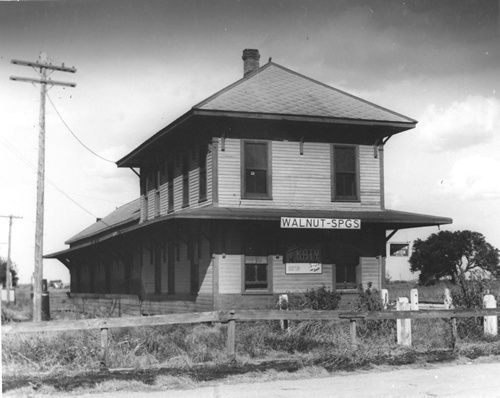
126,220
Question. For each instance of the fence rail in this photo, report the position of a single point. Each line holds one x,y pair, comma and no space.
231,317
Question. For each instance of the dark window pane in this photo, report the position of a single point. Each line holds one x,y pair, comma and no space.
345,185
256,181
261,272
345,159
255,156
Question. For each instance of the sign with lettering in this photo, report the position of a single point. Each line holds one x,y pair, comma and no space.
303,259
320,223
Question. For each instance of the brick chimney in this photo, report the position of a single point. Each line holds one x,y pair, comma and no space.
250,61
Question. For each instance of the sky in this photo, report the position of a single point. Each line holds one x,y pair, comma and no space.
142,64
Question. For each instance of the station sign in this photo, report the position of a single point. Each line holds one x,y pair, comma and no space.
320,223
303,259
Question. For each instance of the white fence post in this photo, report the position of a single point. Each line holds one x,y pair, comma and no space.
283,303
490,322
414,299
403,325
447,299
384,294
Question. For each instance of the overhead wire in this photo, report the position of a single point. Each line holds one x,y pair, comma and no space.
74,135
53,184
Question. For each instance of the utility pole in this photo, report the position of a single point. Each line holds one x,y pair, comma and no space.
43,66
8,281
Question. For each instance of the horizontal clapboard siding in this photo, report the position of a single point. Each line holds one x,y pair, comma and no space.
370,272
298,181
194,181
299,283
230,274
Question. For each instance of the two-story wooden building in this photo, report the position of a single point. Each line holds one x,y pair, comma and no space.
274,184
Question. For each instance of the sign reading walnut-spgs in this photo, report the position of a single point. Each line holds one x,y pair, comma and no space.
320,223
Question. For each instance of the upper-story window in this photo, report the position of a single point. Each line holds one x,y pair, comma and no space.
170,182
185,181
156,177
345,173
256,169
202,167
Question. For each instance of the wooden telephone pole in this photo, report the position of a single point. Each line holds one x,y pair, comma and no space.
43,66
8,281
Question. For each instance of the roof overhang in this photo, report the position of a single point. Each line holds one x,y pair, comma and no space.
261,126
386,219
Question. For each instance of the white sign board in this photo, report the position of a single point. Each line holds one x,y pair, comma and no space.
303,268
320,223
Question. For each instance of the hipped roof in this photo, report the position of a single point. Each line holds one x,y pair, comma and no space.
274,92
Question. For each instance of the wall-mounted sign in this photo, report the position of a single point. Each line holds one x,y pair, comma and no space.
320,223
303,259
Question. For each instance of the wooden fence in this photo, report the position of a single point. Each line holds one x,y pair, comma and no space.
232,317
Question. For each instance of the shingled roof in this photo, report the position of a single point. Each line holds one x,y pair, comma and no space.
273,89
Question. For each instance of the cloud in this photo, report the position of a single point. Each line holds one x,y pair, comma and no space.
462,125
473,178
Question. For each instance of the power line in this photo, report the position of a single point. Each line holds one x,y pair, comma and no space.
74,135
53,184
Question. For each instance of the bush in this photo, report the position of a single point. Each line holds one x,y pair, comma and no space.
469,293
370,300
313,299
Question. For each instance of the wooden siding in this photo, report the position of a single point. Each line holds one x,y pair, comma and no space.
299,181
370,272
230,273
194,177
299,283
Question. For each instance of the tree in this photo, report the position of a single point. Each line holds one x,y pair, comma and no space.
3,271
453,254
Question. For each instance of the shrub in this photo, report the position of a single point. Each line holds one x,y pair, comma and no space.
369,300
469,293
313,299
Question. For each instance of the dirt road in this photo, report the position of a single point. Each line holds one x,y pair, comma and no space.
463,380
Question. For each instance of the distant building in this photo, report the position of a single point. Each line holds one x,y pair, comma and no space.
274,184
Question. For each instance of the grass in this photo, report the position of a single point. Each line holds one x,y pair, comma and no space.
183,356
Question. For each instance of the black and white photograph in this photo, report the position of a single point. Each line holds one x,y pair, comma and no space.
250,198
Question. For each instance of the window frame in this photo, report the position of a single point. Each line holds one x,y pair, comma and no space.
264,196
263,252
202,173
345,198
170,185
185,181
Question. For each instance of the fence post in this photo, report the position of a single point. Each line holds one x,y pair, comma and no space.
490,322
414,299
352,329
283,302
403,325
231,335
384,293
448,305
104,349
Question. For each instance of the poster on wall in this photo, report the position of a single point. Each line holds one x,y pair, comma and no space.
303,259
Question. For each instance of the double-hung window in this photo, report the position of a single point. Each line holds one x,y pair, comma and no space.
256,272
170,183
345,173
185,181
256,169
202,166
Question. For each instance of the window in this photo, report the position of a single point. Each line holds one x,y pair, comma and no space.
345,276
202,166
185,182
256,173
399,249
256,267
157,193
345,173
195,267
170,178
